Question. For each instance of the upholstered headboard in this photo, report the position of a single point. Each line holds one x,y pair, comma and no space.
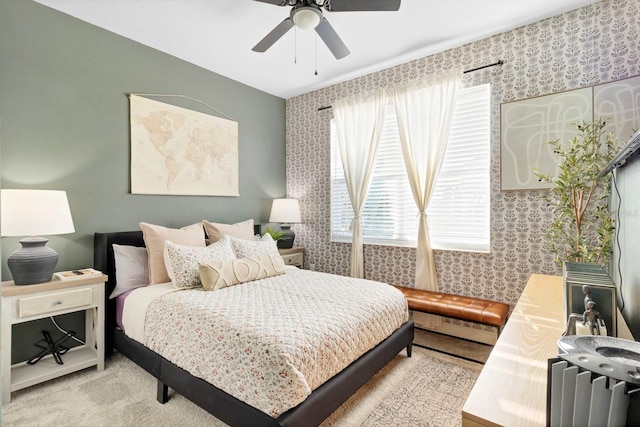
103,260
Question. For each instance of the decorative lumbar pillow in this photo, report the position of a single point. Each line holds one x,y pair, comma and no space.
183,261
240,230
132,268
154,238
220,274
254,248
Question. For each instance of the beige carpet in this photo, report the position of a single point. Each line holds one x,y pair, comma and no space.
428,389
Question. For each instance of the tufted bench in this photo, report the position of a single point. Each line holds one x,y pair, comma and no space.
471,309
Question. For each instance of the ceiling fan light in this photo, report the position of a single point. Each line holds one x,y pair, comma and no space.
306,18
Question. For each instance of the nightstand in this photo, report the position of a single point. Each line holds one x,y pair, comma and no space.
293,256
25,303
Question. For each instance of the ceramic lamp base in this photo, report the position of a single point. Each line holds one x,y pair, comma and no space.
288,236
33,263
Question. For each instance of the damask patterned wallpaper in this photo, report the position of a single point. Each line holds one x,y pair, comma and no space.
595,44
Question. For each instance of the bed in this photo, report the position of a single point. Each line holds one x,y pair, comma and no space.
322,401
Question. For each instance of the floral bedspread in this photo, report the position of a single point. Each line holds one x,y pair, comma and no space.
271,342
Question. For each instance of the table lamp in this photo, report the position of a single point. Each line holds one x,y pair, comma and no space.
285,211
33,213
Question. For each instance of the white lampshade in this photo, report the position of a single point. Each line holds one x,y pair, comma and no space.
285,211
307,18
35,213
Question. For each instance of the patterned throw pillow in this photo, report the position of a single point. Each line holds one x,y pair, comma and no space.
220,274
254,248
183,261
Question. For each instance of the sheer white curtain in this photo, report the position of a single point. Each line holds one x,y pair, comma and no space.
425,113
358,125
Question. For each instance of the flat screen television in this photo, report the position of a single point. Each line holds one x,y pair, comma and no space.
625,264
630,148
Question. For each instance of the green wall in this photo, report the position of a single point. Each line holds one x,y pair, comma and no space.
64,124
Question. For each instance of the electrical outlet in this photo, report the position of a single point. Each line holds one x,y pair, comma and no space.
312,267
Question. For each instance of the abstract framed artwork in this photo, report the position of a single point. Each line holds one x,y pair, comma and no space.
619,103
527,125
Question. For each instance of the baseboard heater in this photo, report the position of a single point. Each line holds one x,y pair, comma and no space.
596,383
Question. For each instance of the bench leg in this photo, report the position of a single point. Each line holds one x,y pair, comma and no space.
502,326
409,348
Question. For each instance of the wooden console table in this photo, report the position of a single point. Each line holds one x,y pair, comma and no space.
512,387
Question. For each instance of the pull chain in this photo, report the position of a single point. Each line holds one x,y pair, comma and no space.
316,73
295,45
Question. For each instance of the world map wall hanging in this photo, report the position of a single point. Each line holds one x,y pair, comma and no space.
176,151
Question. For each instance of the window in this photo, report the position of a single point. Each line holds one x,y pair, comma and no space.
459,207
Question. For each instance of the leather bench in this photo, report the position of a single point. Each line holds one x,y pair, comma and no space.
471,309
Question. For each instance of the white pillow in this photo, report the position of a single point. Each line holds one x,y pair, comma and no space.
183,262
132,268
252,248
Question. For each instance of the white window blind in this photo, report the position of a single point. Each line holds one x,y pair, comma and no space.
459,207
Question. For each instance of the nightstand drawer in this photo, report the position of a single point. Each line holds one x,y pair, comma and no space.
292,259
30,306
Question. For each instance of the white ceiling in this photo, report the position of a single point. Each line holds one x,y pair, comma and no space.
218,34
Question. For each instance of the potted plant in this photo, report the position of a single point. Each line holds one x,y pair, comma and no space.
582,226
275,234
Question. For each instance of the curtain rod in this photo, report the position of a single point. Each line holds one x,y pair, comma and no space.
500,62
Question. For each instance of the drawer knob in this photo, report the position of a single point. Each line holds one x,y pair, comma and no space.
58,302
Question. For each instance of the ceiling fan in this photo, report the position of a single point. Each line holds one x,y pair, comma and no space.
307,15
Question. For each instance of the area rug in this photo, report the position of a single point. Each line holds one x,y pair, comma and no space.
428,389
470,350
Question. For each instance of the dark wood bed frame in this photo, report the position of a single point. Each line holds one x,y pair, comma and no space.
318,406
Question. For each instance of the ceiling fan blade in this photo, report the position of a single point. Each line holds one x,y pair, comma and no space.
363,5
275,34
275,2
331,39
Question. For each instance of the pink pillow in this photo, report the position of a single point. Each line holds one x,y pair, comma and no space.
154,238
240,230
